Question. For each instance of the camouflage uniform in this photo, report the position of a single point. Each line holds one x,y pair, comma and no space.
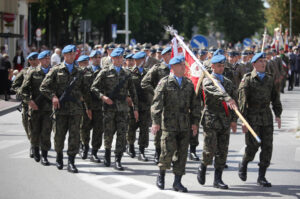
40,123
16,86
216,122
149,83
254,101
144,112
175,108
69,115
97,115
115,115
106,62
150,61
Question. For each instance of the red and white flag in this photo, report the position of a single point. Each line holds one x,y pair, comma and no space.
192,69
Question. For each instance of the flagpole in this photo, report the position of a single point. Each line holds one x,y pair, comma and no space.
174,33
264,39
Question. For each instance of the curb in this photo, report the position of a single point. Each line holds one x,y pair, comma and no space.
9,109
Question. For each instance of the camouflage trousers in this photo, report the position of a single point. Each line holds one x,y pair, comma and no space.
25,120
215,145
265,133
157,138
63,124
115,122
40,126
143,124
174,146
96,124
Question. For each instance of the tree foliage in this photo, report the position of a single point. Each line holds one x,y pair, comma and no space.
237,19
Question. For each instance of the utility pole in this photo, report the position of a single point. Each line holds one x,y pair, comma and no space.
290,18
126,22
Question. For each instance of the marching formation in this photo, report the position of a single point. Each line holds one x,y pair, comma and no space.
143,87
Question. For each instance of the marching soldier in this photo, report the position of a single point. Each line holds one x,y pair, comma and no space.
83,61
94,122
129,61
149,83
40,123
138,72
217,120
150,61
16,86
64,86
175,110
112,85
256,92
106,61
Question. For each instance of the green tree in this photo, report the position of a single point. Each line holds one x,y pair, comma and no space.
278,13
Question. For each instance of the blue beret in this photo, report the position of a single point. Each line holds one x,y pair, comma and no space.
68,49
95,52
176,60
166,50
218,52
258,56
44,54
218,59
231,54
83,58
32,55
117,52
129,56
139,55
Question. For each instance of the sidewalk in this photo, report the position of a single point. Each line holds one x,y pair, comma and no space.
8,106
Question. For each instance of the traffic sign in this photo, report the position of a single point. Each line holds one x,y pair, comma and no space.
132,42
114,31
247,42
199,41
38,32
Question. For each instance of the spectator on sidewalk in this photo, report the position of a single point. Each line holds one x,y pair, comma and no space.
19,60
4,81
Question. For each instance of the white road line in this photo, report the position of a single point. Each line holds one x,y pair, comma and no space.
119,181
8,143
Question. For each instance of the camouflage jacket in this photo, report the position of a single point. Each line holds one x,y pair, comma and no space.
154,75
175,108
17,83
150,61
106,62
144,103
56,82
115,86
88,79
214,114
255,96
30,89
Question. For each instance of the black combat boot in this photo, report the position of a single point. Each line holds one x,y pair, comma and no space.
59,160
156,155
130,150
201,174
118,165
44,160
107,157
160,180
262,181
71,165
193,155
36,154
31,152
177,186
142,156
218,183
94,157
85,151
243,170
